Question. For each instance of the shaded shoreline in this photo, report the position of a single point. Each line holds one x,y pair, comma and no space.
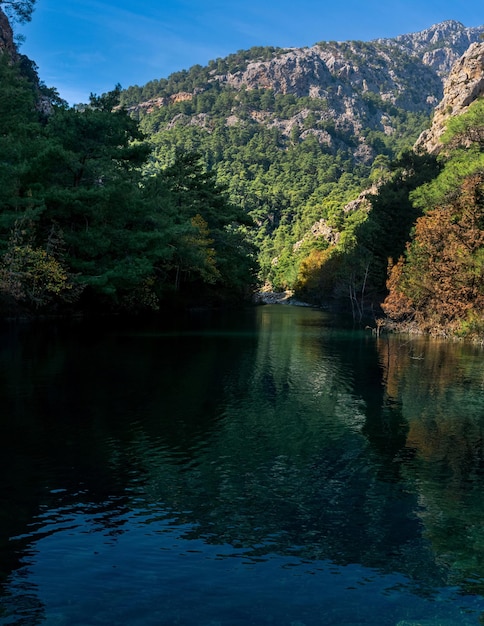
278,297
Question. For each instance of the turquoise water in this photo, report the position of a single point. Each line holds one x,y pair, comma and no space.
260,467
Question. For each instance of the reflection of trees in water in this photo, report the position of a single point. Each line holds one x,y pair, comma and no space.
298,464
272,436
442,400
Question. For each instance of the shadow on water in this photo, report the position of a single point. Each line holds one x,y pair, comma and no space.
265,464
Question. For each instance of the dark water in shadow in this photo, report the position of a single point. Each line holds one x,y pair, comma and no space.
264,467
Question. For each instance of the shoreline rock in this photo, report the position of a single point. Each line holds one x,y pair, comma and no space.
278,297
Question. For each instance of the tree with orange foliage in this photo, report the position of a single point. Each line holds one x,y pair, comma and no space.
441,282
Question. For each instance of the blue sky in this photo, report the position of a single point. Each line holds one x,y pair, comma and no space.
84,46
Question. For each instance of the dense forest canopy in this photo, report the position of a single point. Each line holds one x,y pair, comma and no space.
286,182
85,222
200,189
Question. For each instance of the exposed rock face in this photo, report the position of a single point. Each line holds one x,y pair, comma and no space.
342,74
320,230
300,71
7,44
338,69
155,103
362,201
441,45
464,85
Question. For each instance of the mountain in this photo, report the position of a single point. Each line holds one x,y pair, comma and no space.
295,135
342,90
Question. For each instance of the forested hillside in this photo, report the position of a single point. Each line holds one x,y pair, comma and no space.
293,169
295,135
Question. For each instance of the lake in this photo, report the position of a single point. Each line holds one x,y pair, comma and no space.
263,467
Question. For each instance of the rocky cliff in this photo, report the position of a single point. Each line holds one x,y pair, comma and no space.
407,69
440,45
463,86
7,44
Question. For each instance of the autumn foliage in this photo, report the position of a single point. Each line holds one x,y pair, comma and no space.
440,283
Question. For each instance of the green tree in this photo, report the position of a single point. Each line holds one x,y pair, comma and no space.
20,10
386,231
89,176
462,156
207,233
21,139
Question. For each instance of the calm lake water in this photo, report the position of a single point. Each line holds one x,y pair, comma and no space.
265,467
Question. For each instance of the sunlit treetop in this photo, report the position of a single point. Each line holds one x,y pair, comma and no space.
18,10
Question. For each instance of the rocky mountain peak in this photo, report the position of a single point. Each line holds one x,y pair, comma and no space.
441,45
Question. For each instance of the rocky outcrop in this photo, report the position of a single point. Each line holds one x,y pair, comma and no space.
441,45
322,230
463,86
362,201
156,103
300,71
319,230
7,44
335,70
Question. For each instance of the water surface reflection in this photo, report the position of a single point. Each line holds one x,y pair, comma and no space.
252,468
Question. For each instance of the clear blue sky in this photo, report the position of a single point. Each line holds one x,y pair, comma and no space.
84,46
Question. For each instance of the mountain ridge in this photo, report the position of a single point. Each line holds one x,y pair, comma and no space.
455,33
439,46
344,91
